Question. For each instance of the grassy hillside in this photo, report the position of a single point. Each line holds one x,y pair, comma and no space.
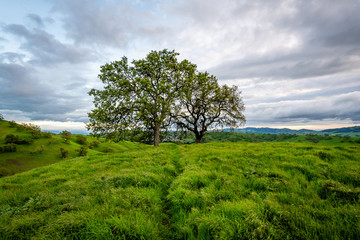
45,148
199,191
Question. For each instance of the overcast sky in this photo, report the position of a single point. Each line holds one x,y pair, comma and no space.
296,62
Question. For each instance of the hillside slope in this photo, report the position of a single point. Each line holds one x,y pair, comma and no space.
44,149
199,191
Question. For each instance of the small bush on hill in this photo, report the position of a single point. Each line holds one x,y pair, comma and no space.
11,147
5,172
95,143
13,124
38,149
51,141
64,153
47,134
11,138
66,136
107,150
82,151
1,117
81,139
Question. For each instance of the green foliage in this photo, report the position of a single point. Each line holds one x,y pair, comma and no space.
13,124
81,139
33,129
10,147
64,153
46,134
11,138
39,149
95,143
138,97
107,150
82,151
65,135
203,104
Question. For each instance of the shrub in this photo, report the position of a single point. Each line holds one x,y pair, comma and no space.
11,147
95,143
1,117
64,153
47,134
5,172
82,151
38,149
13,124
66,136
107,150
11,138
35,130
81,139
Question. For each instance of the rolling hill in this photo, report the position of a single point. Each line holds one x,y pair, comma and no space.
348,131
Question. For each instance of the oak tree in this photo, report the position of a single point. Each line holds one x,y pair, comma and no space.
203,104
138,97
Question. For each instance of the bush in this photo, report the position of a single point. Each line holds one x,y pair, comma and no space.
95,143
64,153
13,124
82,151
107,150
11,147
81,139
38,149
11,138
47,134
51,141
5,172
1,117
66,136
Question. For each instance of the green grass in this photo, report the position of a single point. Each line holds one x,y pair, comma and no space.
25,159
198,191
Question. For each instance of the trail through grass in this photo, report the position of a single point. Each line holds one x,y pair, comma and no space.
200,191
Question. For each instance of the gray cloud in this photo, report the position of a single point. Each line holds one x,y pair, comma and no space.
25,90
328,33
296,61
115,24
341,107
36,19
46,49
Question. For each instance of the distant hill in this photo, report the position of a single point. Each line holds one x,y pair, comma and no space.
348,131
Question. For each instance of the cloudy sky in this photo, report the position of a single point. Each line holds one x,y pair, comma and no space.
296,62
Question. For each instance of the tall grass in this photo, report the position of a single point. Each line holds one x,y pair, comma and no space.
200,191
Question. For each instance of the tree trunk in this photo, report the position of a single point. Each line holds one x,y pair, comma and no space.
198,137
156,135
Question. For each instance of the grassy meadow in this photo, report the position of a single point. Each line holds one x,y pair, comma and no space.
266,190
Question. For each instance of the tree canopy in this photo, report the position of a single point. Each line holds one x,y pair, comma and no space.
138,97
158,92
203,104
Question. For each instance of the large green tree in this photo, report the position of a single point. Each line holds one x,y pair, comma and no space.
202,104
139,96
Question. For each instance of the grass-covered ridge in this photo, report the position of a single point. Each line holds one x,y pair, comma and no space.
44,148
199,191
